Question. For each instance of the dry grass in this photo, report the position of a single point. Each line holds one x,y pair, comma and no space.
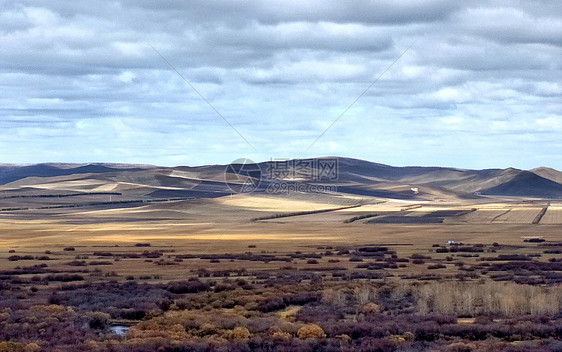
224,226
481,216
553,215
490,298
518,216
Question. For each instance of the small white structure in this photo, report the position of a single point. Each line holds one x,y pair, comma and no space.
451,242
415,190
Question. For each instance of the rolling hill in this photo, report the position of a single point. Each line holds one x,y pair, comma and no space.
354,178
10,173
549,173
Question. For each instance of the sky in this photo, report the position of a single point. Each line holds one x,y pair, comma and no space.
468,84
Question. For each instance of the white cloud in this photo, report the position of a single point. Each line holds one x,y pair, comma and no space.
453,95
41,16
126,77
130,48
452,120
550,123
483,75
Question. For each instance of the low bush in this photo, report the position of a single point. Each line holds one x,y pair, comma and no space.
310,331
436,266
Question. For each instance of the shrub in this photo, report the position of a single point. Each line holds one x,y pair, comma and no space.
239,333
534,240
9,346
419,256
32,347
408,336
103,254
461,347
334,297
187,286
310,331
15,258
64,277
302,298
98,320
271,304
436,266
93,262
77,263
371,308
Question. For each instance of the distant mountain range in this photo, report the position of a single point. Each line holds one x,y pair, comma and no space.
539,183
10,173
354,177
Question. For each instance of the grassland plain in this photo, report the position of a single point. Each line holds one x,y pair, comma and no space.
553,215
207,274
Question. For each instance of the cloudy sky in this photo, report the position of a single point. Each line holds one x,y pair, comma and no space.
480,87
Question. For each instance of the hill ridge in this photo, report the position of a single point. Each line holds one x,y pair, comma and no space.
355,176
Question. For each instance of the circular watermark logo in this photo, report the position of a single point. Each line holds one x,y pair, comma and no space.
242,176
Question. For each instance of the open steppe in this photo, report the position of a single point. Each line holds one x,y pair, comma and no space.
229,225
172,260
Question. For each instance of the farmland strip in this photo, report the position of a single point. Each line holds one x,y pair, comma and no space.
286,215
539,216
502,214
